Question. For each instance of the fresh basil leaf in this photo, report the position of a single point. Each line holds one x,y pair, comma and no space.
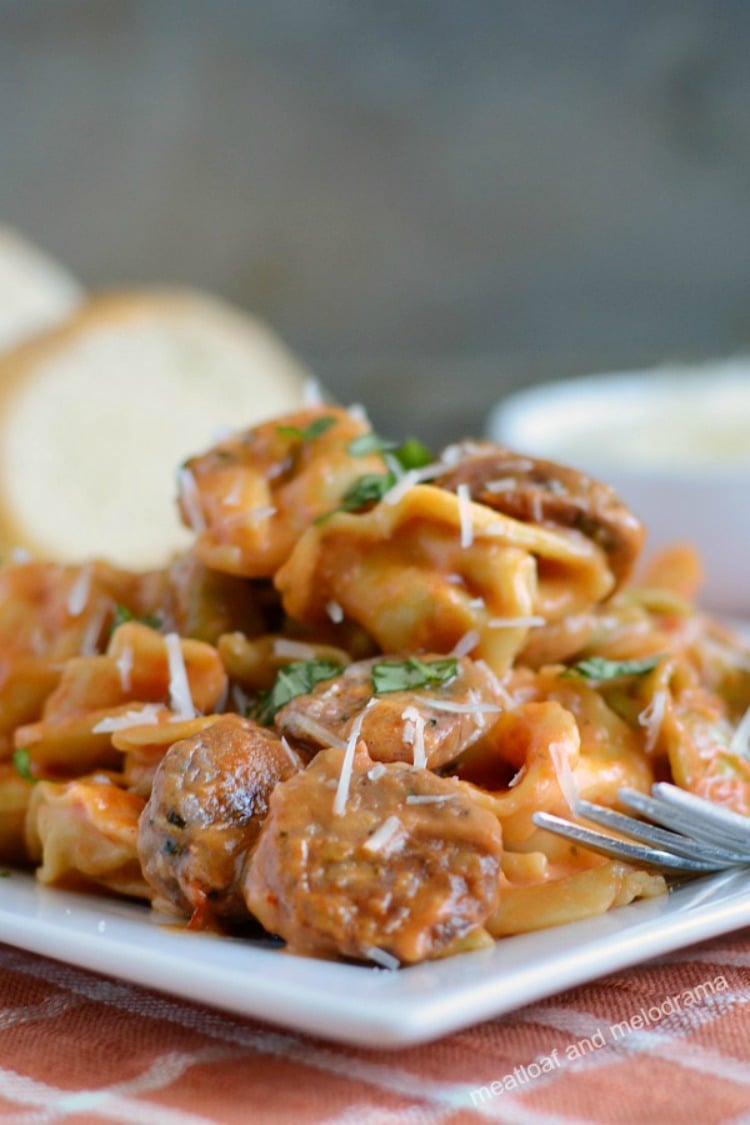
22,762
298,678
406,675
597,668
314,430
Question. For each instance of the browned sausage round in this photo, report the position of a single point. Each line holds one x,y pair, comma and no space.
537,491
410,867
396,722
209,799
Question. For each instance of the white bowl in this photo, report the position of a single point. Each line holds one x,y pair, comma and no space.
675,444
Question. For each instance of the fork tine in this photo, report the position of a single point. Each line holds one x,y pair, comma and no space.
611,847
684,820
661,838
725,820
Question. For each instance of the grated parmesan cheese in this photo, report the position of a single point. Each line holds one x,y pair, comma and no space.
260,512
124,664
80,591
148,715
358,412
376,772
295,650
291,754
466,644
409,479
651,719
180,699
533,621
502,484
464,515
335,612
564,774
475,707
389,838
382,958
316,730
517,778
427,799
414,724
234,496
190,497
342,790
90,639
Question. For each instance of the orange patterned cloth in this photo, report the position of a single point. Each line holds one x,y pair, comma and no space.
79,1047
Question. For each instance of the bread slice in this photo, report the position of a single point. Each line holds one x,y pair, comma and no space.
35,292
97,415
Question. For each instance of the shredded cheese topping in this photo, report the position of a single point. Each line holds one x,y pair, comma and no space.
190,497
148,715
474,707
125,667
291,755
565,778
295,650
90,641
429,799
467,643
414,724
464,515
80,591
409,479
342,791
316,730
382,958
389,838
652,717
335,612
180,699
533,621
502,484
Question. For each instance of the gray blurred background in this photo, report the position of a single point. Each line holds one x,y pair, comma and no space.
434,203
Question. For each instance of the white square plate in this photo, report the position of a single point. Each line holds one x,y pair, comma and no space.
356,1004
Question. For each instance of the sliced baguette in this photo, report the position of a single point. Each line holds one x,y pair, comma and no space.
97,415
35,292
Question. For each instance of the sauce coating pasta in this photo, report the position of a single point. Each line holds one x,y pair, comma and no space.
337,714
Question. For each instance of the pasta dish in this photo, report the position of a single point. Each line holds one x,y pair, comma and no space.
333,718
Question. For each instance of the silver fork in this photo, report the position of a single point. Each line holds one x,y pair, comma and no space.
686,834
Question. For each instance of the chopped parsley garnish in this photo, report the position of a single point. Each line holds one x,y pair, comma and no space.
22,762
4,874
295,679
123,615
404,675
370,488
411,454
314,430
597,668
